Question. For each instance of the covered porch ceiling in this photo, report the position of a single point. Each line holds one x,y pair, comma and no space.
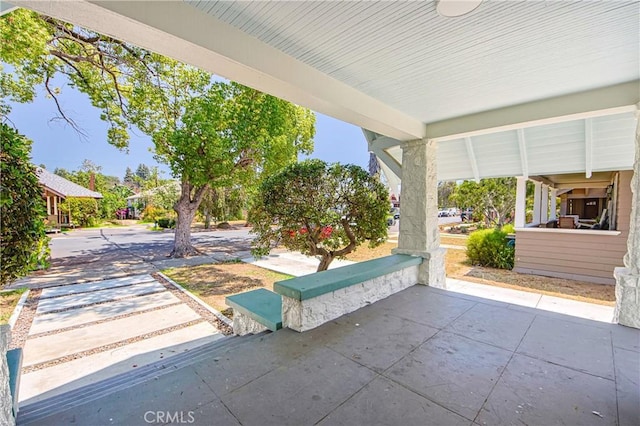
514,88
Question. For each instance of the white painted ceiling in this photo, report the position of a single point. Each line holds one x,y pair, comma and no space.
604,143
434,68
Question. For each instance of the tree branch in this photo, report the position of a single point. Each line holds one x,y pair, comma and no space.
352,240
60,111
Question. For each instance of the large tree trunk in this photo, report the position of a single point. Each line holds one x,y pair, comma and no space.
186,208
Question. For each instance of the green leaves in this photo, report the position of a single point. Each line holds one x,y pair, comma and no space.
320,209
81,211
211,134
494,199
23,243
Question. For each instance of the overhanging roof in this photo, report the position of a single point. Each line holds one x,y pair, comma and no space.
63,187
399,69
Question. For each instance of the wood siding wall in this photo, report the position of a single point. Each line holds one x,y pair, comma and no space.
571,254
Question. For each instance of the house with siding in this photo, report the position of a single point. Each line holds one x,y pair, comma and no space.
55,189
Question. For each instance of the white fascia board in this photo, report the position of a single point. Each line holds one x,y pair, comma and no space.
180,31
593,103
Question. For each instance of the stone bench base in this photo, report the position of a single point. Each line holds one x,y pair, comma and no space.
303,315
243,324
255,311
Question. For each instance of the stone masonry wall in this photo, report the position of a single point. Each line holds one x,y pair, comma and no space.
6,402
243,324
307,314
627,311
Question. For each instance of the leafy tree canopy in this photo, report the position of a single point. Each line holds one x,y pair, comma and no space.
493,199
321,210
211,134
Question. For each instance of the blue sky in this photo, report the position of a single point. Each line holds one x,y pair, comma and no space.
56,144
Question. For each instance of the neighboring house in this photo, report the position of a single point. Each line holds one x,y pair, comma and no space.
55,190
589,238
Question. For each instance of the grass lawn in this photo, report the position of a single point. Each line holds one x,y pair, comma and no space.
8,302
212,283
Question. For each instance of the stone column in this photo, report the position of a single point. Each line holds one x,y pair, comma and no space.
521,202
544,206
627,310
419,233
537,205
553,205
6,402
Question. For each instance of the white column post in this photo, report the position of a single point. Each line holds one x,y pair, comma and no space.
521,202
48,205
544,204
537,205
627,311
419,232
553,205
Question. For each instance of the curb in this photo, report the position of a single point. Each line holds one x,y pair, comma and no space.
18,309
217,314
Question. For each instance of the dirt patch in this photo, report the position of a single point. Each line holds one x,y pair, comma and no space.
213,282
454,240
365,253
231,225
457,266
20,331
8,302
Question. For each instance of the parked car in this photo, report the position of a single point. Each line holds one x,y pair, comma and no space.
466,215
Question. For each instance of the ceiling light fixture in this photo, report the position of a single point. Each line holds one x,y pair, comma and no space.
455,8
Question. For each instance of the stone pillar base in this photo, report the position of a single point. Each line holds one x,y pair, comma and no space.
243,324
627,310
6,400
431,270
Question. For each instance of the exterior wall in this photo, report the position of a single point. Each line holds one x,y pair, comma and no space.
54,215
583,255
6,401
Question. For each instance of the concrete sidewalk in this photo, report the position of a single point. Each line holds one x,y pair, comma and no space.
291,263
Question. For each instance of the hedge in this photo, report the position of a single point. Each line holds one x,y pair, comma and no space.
488,247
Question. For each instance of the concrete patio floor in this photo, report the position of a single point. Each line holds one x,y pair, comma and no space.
422,356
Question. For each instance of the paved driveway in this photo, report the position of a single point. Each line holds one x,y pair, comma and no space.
96,254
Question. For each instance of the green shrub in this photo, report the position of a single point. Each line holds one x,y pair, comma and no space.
508,229
165,223
81,211
488,247
151,214
23,242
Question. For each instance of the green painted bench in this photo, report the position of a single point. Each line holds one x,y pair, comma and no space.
305,302
312,300
261,305
314,285
14,361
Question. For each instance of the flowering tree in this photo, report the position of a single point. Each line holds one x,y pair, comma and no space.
320,210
